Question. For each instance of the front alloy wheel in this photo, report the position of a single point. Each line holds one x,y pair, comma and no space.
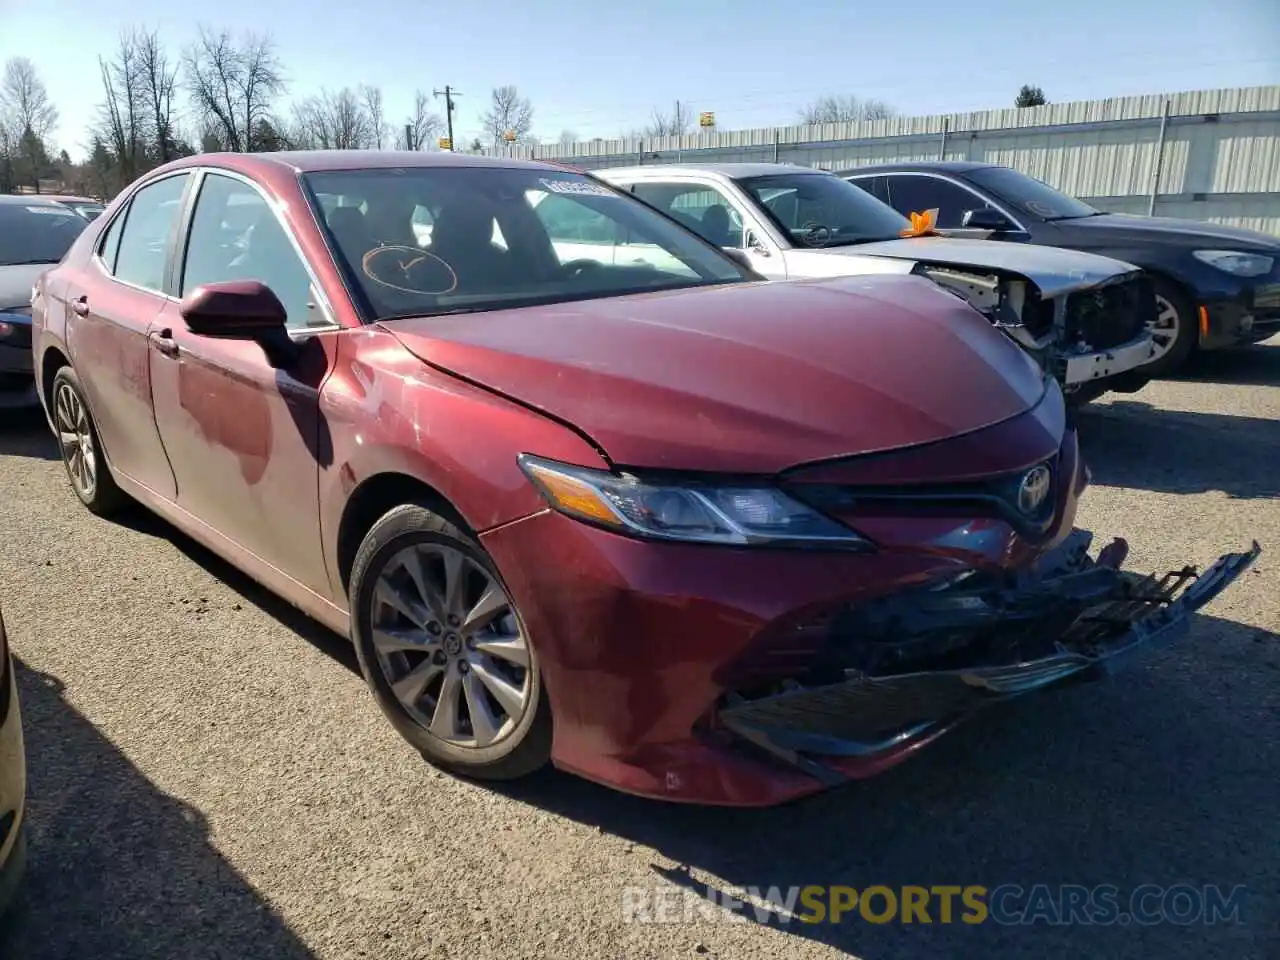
1173,330
444,649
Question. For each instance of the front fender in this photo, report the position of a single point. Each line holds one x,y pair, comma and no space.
389,414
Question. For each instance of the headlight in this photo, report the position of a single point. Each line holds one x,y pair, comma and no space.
695,512
1236,262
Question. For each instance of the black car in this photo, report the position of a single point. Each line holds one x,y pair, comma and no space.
1216,286
34,234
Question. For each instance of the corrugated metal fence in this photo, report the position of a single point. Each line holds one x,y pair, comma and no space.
1214,153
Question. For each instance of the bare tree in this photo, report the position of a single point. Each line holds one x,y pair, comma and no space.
158,77
28,117
509,113
233,83
372,102
423,125
673,124
123,114
845,108
333,121
568,137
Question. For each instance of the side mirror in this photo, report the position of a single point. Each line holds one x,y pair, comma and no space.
233,310
986,218
739,256
241,310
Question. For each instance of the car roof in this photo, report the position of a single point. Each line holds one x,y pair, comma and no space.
731,170
29,199
920,166
314,161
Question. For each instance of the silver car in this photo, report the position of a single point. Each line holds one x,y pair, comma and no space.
1082,317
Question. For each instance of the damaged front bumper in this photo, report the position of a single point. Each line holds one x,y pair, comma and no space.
915,664
1076,369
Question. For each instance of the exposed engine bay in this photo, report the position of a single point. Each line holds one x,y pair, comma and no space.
1077,324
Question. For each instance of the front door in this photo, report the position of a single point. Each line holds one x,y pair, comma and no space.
111,306
246,438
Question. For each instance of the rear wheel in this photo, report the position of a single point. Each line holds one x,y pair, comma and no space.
81,449
1174,330
444,650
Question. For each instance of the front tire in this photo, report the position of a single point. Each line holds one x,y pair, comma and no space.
1174,331
77,435
444,650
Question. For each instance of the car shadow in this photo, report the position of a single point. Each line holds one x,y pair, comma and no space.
117,870
1258,366
1146,779
1132,444
25,433
143,521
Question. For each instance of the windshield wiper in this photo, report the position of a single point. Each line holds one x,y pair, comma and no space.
26,263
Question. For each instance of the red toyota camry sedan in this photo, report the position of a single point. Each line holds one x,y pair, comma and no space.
580,487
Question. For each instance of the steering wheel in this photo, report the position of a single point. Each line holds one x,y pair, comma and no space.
576,268
409,270
815,234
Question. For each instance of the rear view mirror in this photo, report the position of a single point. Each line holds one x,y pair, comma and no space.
233,309
986,218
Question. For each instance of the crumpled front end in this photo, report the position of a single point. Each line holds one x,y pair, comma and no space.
1080,336
895,673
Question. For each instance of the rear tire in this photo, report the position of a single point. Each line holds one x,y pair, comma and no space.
1175,330
444,650
81,449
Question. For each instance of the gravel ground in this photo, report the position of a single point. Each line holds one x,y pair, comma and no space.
209,779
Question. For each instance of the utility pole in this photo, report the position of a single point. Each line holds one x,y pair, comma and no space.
448,93
409,143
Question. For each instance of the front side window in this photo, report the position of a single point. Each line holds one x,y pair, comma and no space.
821,210
148,225
701,208
437,240
1030,195
235,235
912,193
36,233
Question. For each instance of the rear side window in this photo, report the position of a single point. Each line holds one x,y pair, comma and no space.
111,243
148,224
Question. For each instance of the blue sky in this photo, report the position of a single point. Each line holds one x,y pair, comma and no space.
599,69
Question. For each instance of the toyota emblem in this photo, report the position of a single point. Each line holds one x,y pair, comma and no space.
1034,489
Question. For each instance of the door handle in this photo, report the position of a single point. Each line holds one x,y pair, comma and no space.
165,343
81,306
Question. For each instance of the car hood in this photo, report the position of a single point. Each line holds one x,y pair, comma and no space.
1052,270
16,282
749,378
1189,233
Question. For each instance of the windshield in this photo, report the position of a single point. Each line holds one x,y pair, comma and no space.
437,240
36,233
820,210
1030,195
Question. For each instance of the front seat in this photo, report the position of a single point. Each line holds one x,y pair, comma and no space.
463,238
716,225
351,231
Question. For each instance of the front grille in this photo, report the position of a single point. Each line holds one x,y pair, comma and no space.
1110,315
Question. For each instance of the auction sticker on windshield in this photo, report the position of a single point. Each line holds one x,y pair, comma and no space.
577,188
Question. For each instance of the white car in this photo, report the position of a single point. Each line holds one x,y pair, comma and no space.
1084,317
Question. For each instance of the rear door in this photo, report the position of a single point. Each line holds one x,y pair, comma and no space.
112,304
